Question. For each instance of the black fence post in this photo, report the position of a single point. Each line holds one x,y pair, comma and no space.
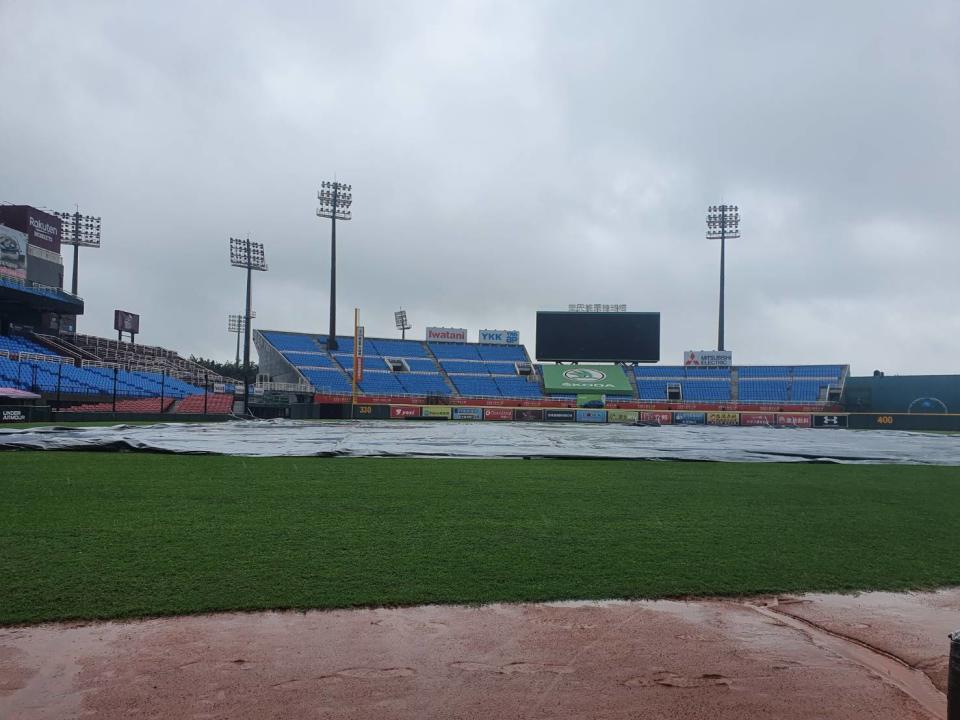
953,678
163,383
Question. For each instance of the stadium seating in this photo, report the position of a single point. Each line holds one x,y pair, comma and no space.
396,348
15,344
49,376
423,383
464,366
476,385
454,351
480,370
143,405
216,403
327,381
292,341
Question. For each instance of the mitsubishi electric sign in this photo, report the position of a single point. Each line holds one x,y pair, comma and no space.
499,337
585,379
708,358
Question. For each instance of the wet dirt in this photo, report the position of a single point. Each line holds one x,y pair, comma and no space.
662,659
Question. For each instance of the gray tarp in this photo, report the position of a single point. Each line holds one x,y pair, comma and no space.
489,439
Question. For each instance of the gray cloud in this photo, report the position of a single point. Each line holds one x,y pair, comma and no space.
505,157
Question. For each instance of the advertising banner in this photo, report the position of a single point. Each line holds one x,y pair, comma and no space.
42,229
793,420
127,322
661,416
11,414
13,252
358,353
559,415
622,416
438,412
597,379
723,418
404,411
829,421
371,412
689,418
467,413
445,334
708,358
499,337
767,419
528,414
592,416
494,413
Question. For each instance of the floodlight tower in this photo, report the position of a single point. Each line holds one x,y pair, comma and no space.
335,201
236,324
249,255
723,222
78,230
400,318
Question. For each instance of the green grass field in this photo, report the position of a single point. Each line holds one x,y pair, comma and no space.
102,535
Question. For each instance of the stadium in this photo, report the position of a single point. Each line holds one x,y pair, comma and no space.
234,532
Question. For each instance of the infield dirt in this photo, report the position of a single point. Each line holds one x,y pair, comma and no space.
874,655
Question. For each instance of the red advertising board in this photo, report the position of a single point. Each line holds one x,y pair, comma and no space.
758,418
794,419
495,413
404,411
661,416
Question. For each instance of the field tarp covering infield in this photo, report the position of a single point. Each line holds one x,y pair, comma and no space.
495,440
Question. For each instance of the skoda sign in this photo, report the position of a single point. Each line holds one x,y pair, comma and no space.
602,379
585,375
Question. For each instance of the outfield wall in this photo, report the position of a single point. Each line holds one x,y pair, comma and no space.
396,411
914,394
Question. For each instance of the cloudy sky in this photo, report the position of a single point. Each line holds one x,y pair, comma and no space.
505,157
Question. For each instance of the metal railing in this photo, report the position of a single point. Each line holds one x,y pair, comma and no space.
11,281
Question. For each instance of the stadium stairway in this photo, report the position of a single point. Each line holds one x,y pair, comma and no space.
734,384
443,373
61,347
632,379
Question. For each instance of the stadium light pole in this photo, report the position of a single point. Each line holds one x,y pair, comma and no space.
248,255
400,318
78,230
723,223
335,201
236,324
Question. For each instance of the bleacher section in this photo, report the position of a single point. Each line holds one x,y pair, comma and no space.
491,371
754,384
146,358
486,370
145,406
787,384
467,369
216,403
26,365
705,385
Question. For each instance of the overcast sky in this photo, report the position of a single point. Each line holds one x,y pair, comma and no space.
505,157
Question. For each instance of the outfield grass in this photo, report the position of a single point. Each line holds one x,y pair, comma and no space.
96,535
